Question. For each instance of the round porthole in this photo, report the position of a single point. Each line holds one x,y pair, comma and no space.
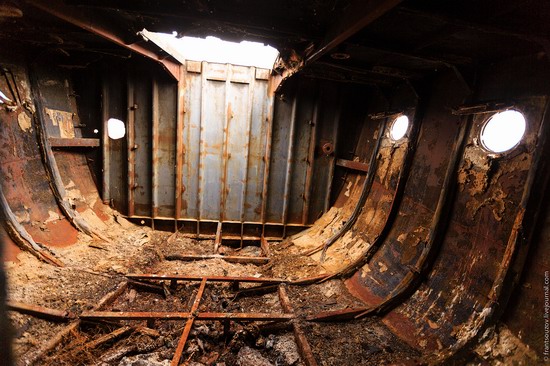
503,131
116,128
399,127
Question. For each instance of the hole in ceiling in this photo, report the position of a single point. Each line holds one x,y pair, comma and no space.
503,131
213,49
399,127
116,128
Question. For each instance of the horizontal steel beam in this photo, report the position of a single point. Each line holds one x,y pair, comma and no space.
354,165
76,142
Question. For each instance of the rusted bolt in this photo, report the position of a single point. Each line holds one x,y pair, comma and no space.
328,148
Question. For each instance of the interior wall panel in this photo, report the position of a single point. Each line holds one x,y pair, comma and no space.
246,157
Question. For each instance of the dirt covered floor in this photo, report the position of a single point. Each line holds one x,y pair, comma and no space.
94,269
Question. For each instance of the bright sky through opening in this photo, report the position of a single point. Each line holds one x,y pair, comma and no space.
213,49
503,131
399,127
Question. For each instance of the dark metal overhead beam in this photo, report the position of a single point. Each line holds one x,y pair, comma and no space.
355,17
454,23
72,16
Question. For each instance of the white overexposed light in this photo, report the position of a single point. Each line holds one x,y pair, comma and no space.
503,131
213,49
115,128
4,98
399,127
96,130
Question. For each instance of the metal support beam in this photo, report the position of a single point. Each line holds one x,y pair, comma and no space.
73,16
355,17
353,165
73,142
188,325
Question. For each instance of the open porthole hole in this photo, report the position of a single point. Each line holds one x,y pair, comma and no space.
115,128
503,131
399,127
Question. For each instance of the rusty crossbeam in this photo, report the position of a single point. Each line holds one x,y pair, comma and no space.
227,258
73,142
174,315
354,165
417,270
299,335
178,277
40,311
188,325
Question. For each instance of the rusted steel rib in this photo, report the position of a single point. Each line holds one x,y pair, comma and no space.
209,278
517,241
409,283
40,311
52,170
227,258
20,236
126,315
188,325
301,340
362,198
395,203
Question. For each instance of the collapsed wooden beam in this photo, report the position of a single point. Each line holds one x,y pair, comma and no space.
40,311
174,315
299,335
178,277
188,325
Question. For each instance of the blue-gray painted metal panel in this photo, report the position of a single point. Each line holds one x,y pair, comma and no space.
191,146
238,122
262,106
213,110
166,153
302,139
279,157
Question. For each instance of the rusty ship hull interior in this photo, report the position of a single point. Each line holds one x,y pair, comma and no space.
344,207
